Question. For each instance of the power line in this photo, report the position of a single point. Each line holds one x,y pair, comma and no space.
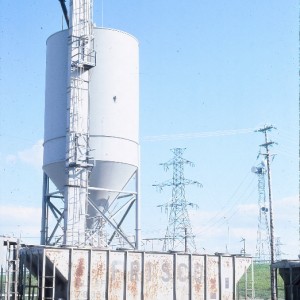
181,136
229,209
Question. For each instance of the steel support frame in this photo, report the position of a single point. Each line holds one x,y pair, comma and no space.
49,207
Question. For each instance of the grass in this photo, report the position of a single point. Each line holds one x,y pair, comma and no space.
262,283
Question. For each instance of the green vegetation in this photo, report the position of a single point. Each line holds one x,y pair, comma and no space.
262,286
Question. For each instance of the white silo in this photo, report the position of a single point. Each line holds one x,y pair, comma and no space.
113,116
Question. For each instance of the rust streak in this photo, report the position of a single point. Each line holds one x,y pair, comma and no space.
79,273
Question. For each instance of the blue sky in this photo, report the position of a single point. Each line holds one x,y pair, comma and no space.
206,68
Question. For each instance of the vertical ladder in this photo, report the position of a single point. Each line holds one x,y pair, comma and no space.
48,280
81,59
250,292
12,270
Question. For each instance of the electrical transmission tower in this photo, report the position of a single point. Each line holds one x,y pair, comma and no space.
278,252
267,155
263,233
179,230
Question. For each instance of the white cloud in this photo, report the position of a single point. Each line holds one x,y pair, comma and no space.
286,225
216,230
32,156
249,209
11,158
20,221
20,213
287,203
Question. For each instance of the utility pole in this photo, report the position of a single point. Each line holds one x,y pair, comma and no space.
266,145
179,229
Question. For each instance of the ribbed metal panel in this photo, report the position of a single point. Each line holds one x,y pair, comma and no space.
103,274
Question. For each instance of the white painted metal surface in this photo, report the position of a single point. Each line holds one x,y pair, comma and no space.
55,119
101,274
113,113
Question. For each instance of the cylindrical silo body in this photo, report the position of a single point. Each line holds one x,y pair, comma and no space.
113,113
55,118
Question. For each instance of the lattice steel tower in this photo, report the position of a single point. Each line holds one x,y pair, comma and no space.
179,234
263,233
267,146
